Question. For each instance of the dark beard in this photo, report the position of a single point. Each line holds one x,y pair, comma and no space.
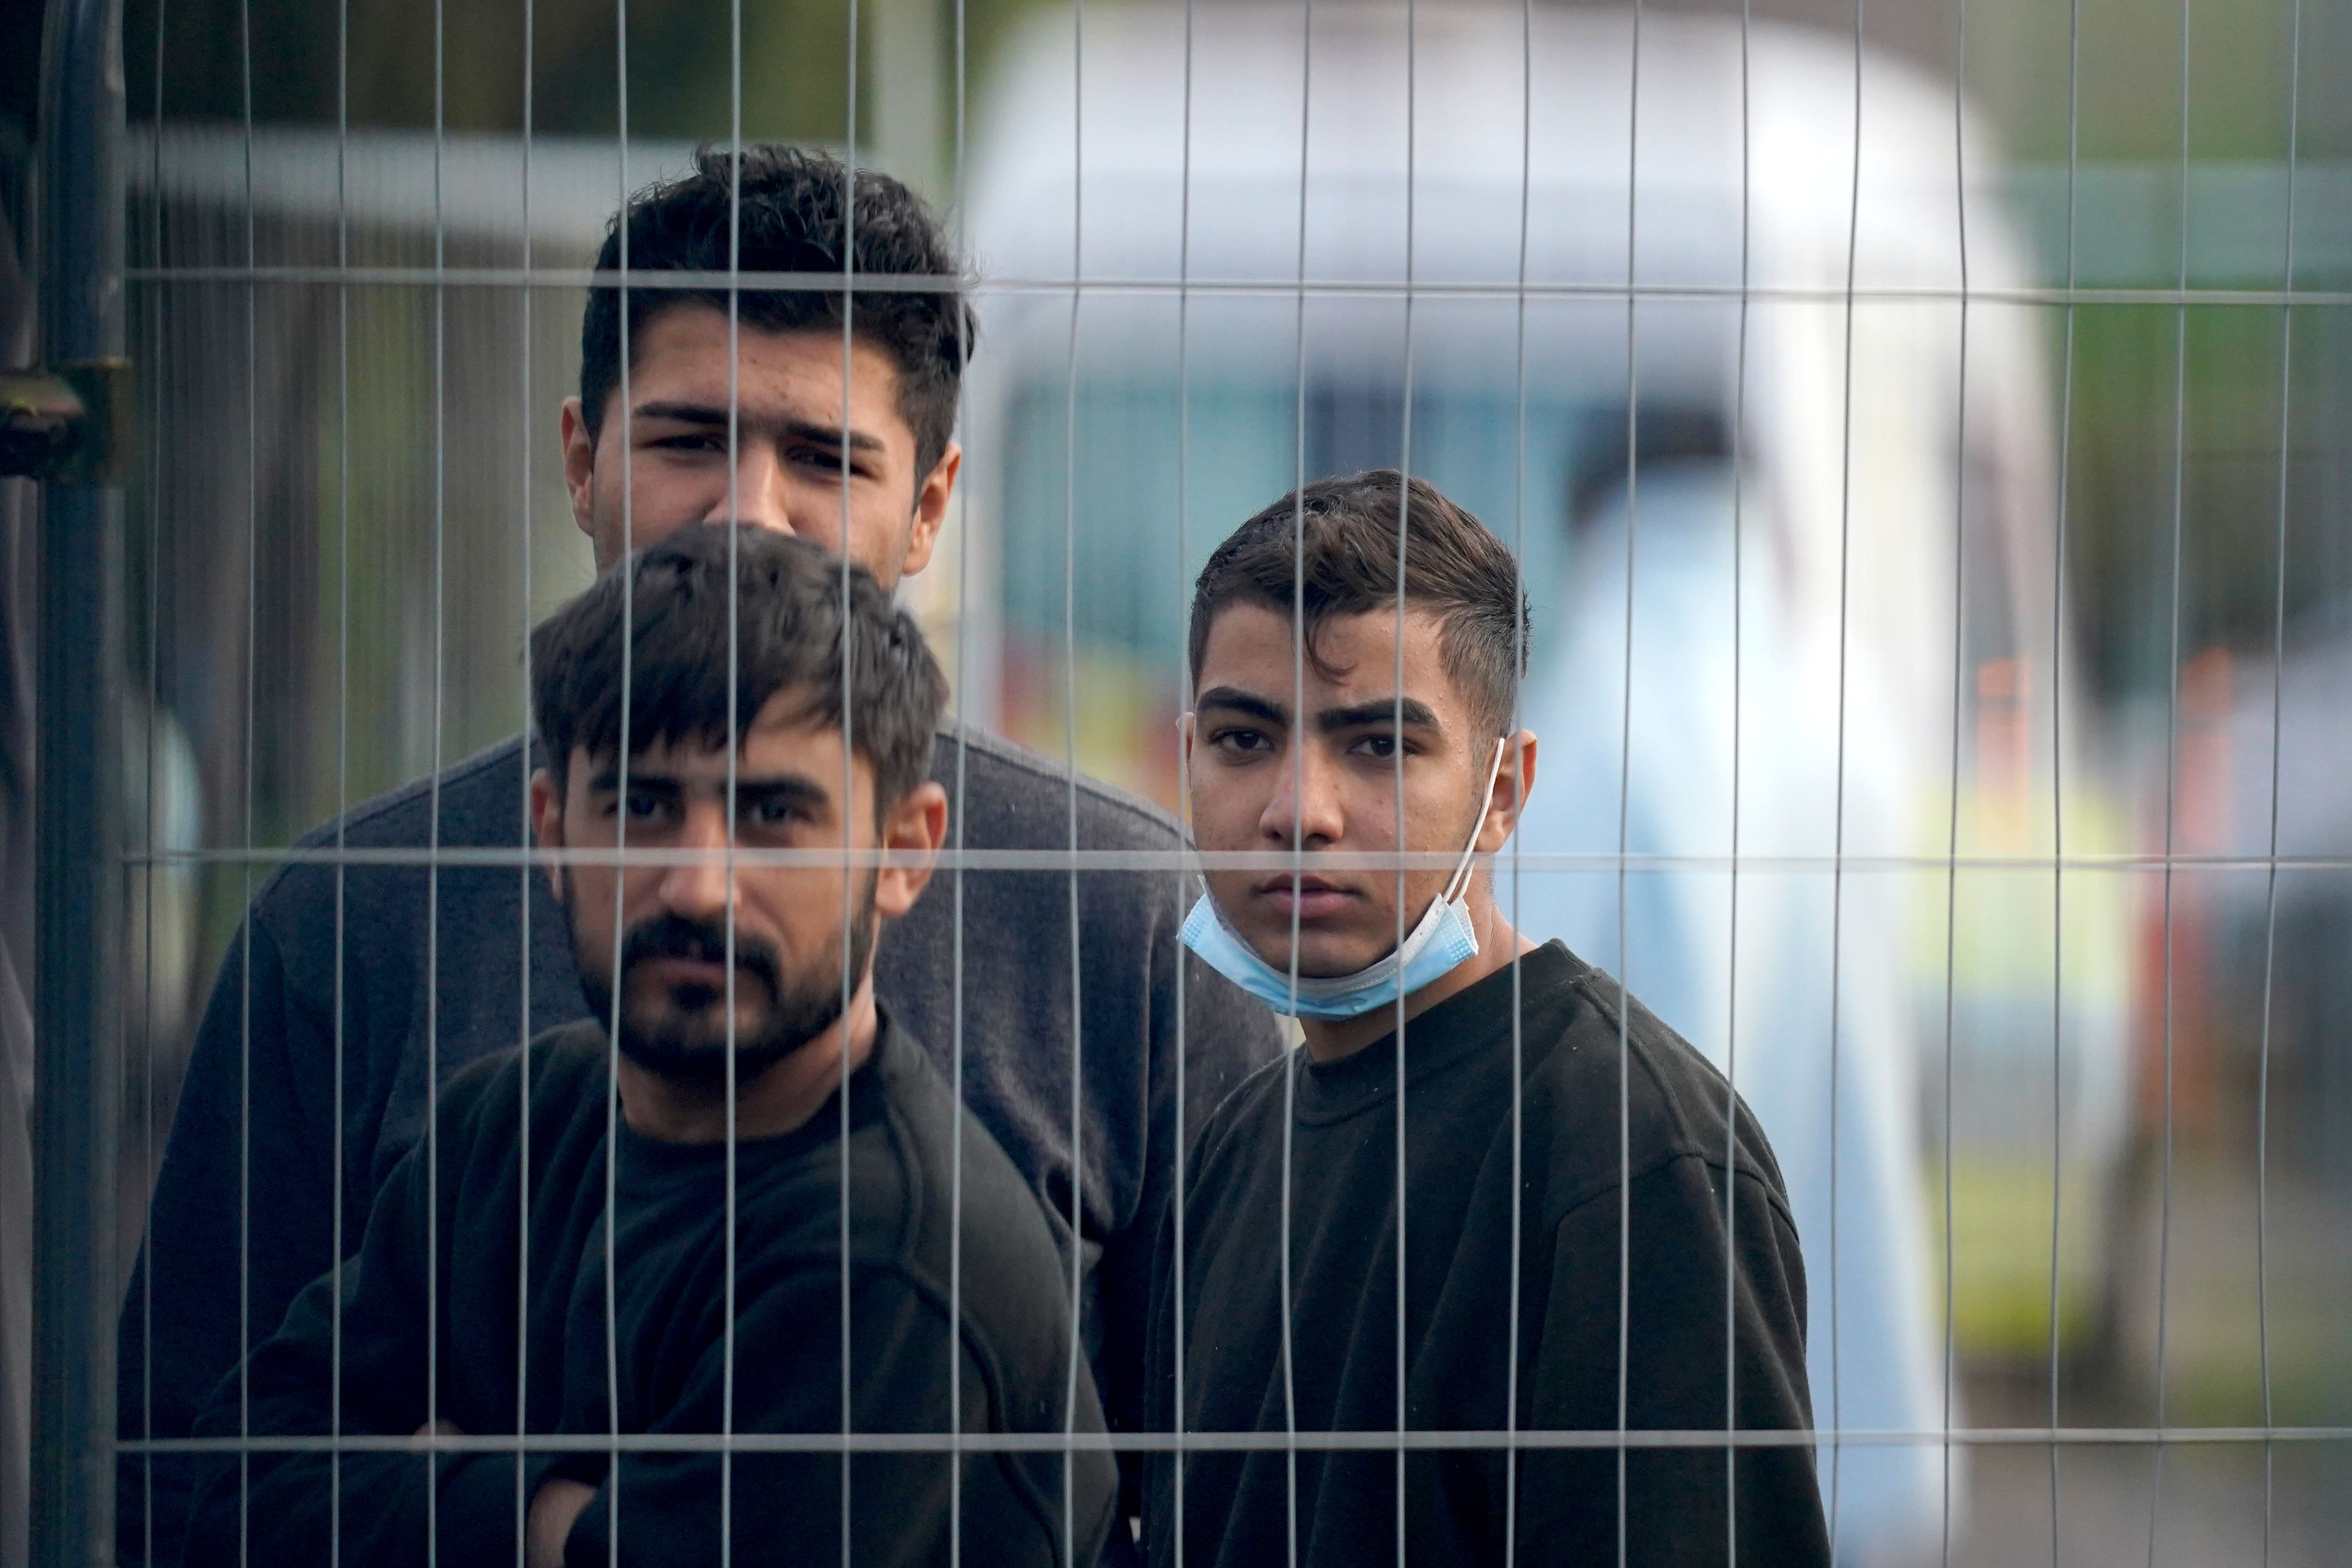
692,1050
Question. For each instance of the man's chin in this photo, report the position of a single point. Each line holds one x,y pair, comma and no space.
698,1057
1320,960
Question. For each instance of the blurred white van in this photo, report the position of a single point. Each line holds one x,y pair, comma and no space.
1795,484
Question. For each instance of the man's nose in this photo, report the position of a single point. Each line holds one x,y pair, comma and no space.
701,887
761,496
1305,806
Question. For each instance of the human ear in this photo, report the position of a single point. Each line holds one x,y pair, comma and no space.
547,822
1507,803
579,465
911,839
931,497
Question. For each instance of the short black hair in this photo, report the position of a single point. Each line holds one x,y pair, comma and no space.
1350,528
794,202
790,632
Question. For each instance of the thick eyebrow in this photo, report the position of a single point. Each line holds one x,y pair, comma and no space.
604,781
786,789
1410,712
792,789
1246,704
794,429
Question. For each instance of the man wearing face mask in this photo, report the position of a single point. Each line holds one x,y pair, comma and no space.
1559,1142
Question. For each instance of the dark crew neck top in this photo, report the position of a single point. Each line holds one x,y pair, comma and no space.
1643,1184
441,1321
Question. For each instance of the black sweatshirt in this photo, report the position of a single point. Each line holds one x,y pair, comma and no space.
1668,1190
445,1262
242,1220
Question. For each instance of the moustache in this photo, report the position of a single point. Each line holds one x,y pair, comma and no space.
700,942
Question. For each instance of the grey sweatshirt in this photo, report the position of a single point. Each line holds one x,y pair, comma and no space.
440,968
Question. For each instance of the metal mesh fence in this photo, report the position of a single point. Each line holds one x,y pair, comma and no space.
1936,563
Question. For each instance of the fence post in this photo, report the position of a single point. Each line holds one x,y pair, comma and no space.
77,801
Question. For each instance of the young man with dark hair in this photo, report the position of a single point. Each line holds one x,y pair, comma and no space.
353,987
1659,1285
793,457
740,998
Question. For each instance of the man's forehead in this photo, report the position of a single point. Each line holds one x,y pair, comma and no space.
688,341
790,731
1256,646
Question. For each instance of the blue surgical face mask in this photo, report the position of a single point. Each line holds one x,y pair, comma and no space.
1442,937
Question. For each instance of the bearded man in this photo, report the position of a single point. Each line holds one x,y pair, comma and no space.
736,1203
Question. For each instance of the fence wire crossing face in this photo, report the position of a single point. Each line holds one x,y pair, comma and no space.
1885,1111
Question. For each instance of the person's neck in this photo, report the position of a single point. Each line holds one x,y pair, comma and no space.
1331,1039
778,1100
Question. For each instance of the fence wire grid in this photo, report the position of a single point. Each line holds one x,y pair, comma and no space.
1936,558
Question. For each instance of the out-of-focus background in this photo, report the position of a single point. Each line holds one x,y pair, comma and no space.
1954,592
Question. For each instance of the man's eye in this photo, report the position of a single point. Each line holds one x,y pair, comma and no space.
770,812
1380,746
819,459
696,441
1244,741
643,804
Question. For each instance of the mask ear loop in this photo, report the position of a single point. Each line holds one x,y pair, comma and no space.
1459,883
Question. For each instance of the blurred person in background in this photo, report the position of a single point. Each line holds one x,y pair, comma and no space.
1558,1138
741,1002
352,993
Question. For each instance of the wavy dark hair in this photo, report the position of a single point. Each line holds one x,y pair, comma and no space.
1350,527
790,634
800,214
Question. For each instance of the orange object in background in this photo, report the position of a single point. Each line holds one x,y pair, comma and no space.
2004,758
2173,988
